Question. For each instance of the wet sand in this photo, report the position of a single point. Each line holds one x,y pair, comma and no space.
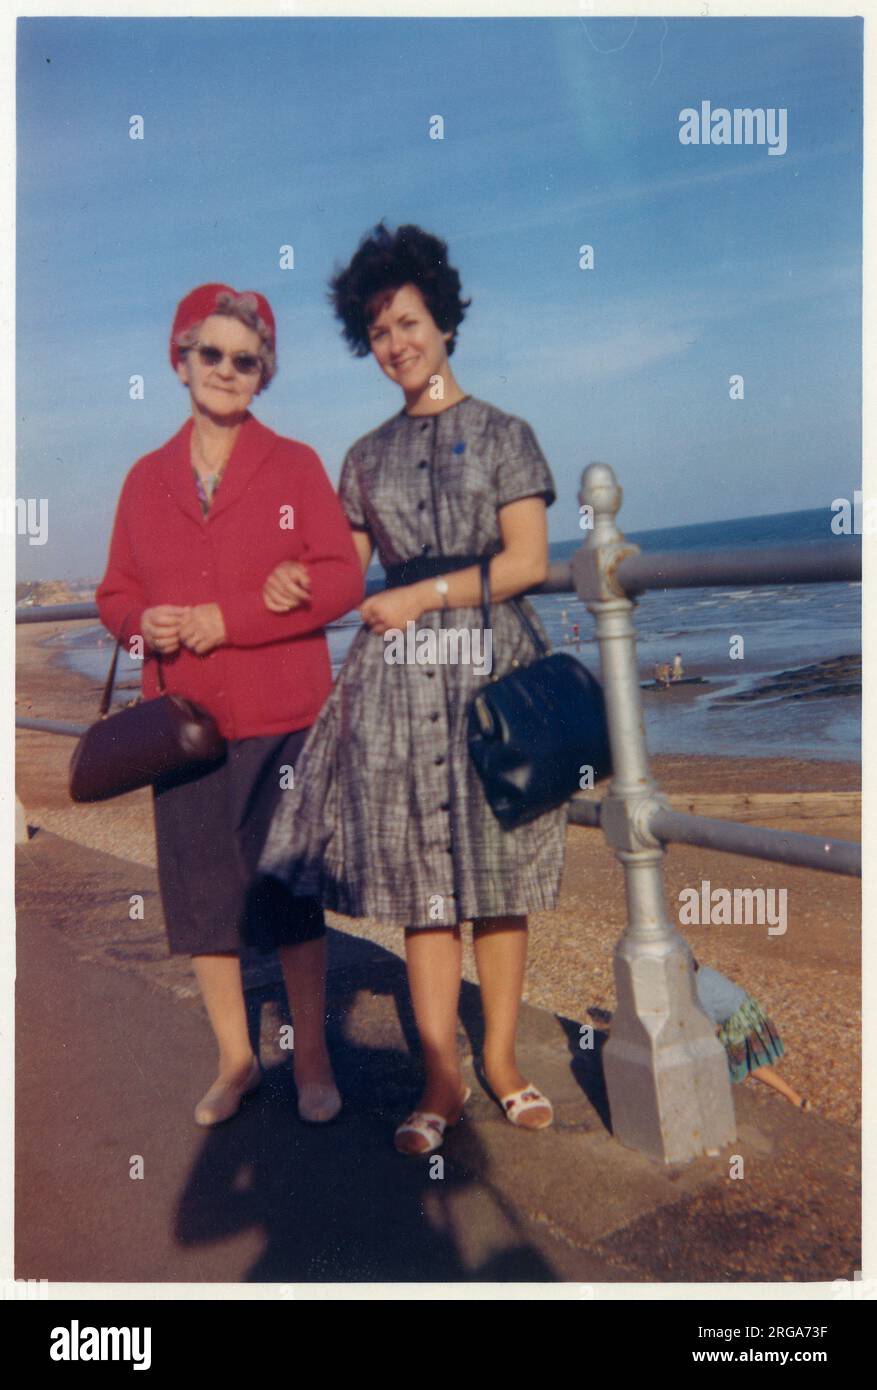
808,980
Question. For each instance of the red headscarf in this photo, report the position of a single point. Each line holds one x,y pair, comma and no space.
200,303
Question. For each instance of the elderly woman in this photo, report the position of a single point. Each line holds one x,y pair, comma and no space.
395,823
201,522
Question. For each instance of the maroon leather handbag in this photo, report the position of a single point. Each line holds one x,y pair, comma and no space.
137,746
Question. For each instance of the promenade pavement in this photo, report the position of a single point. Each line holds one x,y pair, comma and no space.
113,1049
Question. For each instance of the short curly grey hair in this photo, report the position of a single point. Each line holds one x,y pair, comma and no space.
243,308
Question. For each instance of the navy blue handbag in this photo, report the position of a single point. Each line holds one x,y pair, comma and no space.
532,731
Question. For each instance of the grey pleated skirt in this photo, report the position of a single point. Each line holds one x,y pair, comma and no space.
210,828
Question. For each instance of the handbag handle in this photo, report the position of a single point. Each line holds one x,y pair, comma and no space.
107,696
484,564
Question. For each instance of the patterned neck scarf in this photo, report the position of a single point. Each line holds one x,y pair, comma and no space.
206,487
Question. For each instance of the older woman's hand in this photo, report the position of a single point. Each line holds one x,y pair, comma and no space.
288,586
161,627
202,627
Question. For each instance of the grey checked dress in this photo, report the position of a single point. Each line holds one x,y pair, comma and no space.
388,818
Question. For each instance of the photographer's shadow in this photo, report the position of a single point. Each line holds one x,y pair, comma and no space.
335,1202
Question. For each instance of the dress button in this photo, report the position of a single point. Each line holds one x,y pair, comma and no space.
438,761
433,717
425,549
445,806
421,505
449,849
423,464
425,425
431,674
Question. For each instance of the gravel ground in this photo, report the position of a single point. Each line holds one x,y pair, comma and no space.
808,979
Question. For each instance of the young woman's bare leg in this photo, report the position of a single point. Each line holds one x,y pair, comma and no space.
435,958
501,957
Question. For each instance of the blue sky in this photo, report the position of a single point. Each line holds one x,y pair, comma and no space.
709,260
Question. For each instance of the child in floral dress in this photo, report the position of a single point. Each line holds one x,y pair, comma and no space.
748,1036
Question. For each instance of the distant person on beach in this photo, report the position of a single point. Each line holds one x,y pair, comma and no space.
678,669
575,637
662,674
199,527
749,1037
390,819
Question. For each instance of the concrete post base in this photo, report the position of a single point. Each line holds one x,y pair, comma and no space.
666,1071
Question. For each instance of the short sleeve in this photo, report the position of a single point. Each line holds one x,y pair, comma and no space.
522,469
349,494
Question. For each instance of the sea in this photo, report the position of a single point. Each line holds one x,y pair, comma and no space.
784,627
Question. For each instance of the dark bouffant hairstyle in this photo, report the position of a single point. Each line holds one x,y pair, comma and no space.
383,262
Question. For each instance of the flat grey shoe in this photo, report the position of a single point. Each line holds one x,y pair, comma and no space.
318,1103
224,1100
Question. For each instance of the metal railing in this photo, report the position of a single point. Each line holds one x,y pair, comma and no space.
666,1073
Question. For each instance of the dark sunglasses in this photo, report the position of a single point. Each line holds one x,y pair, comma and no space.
244,363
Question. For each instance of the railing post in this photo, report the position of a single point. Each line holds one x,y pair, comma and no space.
666,1072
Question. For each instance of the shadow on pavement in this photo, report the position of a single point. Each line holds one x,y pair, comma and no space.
336,1202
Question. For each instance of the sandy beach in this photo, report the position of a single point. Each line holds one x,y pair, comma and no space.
808,979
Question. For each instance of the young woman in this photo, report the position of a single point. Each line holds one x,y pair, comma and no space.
198,529
390,819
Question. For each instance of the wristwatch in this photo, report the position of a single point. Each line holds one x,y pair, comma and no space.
442,587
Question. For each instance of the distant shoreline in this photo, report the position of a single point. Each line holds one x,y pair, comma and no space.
769,705
77,697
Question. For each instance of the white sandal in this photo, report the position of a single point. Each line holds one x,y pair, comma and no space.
430,1127
516,1103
